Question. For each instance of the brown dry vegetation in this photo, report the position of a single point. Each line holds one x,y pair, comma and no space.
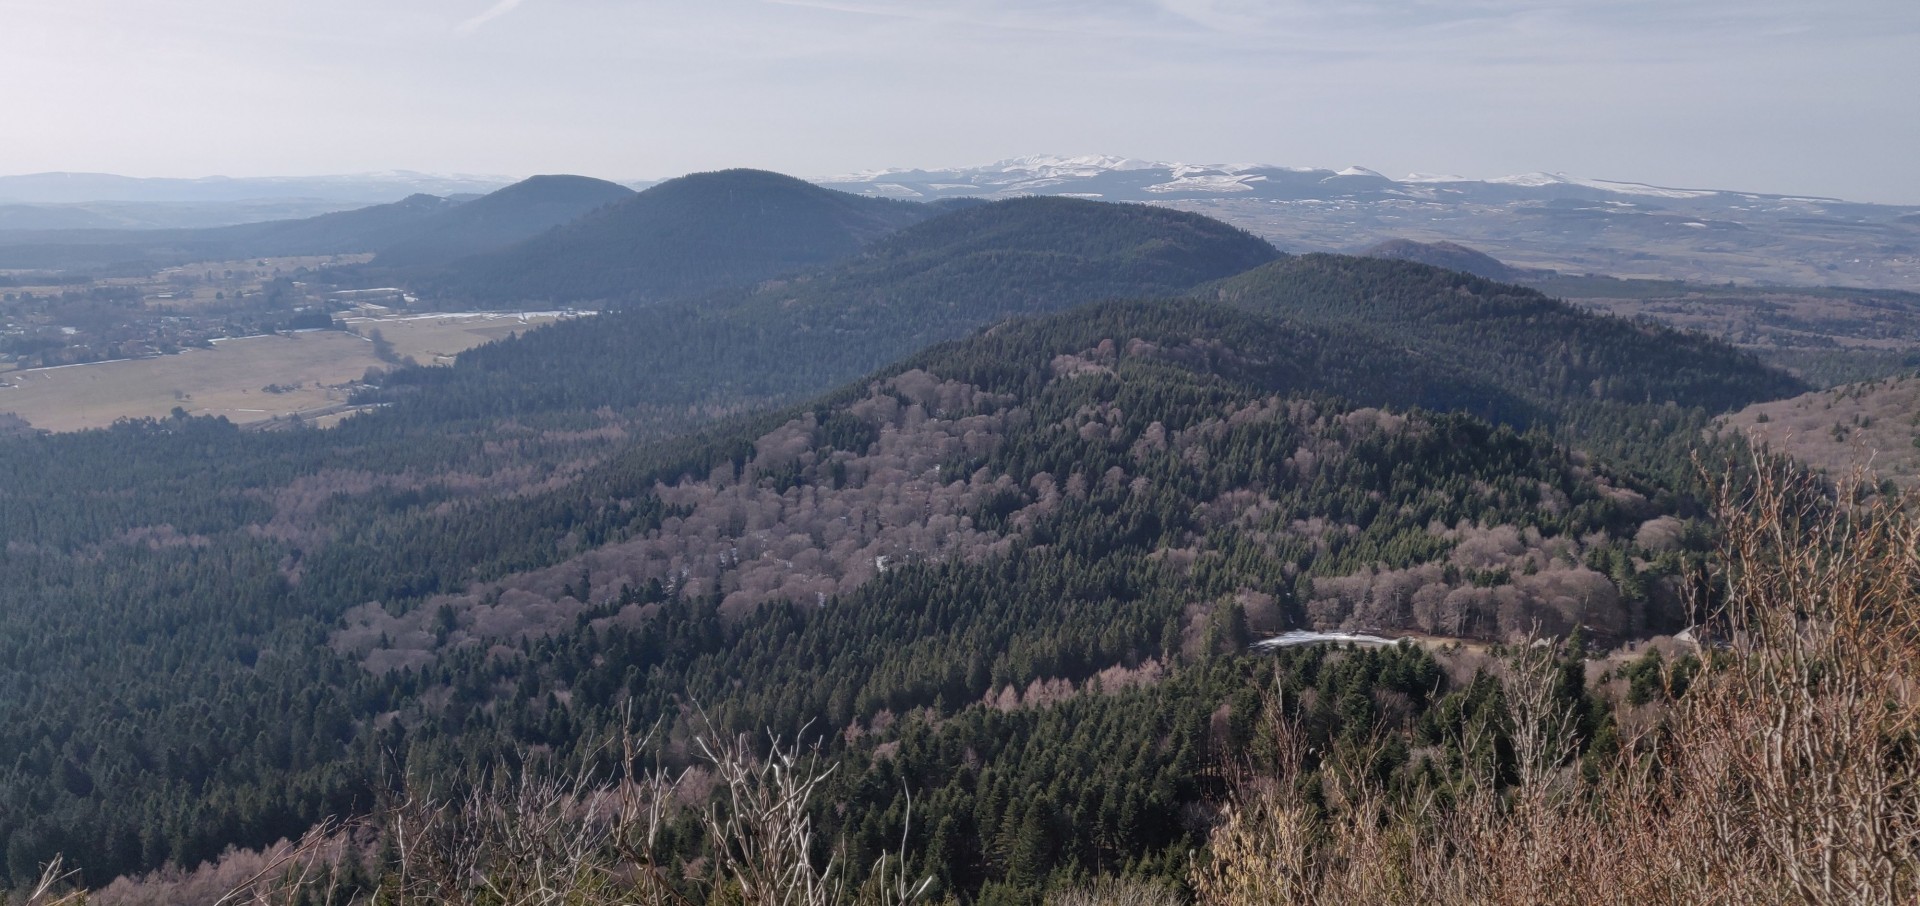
1787,774
1545,584
838,518
843,517
1551,588
748,541
1873,424
551,839
439,339
226,380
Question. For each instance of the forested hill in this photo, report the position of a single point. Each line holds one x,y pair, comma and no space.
1545,348
800,334
1533,358
1021,256
342,232
1112,498
1450,255
499,219
686,235
1052,534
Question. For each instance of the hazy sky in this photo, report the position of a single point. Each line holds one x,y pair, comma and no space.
1792,96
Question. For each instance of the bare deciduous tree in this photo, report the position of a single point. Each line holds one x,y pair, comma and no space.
1786,774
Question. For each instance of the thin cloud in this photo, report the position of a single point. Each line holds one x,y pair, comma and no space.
493,12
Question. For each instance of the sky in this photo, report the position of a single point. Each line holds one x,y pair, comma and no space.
1818,97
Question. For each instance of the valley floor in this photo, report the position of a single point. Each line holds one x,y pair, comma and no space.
310,373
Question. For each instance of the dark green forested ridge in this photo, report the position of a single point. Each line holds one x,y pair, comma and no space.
788,338
1532,359
1510,333
1638,393
969,570
1450,255
686,235
499,219
1166,491
207,560
517,403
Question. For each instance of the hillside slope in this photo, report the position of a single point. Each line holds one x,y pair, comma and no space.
1450,255
1125,494
1089,503
1873,425
692,234
802,334
499,219
1552,351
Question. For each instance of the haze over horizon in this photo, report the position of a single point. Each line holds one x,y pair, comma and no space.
1777,96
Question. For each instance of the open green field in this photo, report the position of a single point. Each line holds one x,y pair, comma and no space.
312,372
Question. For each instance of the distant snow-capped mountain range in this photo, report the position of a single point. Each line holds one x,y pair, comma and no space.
1128,179
1537,221
1540,221
1093,176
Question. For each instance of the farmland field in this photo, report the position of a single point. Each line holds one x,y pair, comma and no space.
436,338
248,379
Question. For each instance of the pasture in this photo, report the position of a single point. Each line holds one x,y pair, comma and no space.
247,379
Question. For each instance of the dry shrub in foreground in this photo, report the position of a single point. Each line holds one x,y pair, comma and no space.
1788,773
50,889
1118,892
536,841
540,839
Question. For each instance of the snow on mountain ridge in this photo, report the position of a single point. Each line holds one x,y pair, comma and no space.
1125,178
1209,182
1542,180
1101,162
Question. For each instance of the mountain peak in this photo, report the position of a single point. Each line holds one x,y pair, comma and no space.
686,235
1449,255
501,218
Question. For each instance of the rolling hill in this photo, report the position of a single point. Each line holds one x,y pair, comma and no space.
499,219
1867,426
1002,517
1546,349
1450,255
1528,359
808,331
1122,494
687,235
